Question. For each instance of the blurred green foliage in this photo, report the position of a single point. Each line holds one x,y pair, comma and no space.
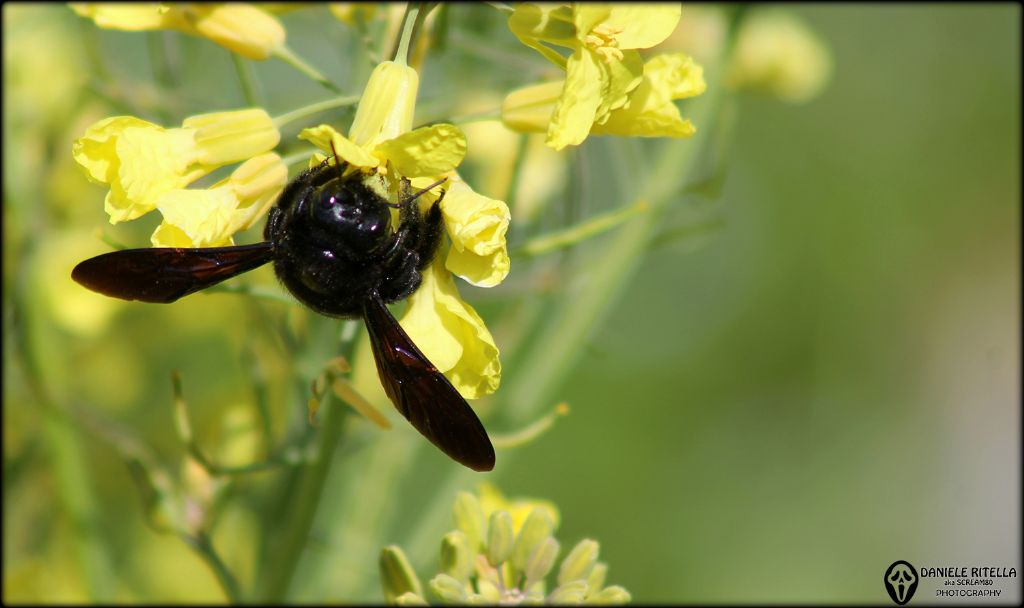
823,383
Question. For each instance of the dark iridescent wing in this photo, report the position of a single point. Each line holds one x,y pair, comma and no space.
165,274
422,394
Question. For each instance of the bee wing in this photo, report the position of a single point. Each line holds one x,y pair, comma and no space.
422,394
165,274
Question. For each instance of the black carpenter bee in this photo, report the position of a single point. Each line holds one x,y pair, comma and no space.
332,244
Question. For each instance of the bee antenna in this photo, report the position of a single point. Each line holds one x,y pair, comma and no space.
418,194
337,159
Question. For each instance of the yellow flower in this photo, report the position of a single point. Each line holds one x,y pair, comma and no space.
604,68
448,331
649,113
778,54
208,218
242,28
142,161
452,335
476,225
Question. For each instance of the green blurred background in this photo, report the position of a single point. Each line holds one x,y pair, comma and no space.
825,383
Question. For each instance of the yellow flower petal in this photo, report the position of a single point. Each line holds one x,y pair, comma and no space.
427,151
209,218
141,161
168,235
643,25
651,112
623,77
587,16
204,216
257,184
242,28
480,270
152,161
96,150
477,226
676,74
452,335
322,137
227,137
580,99
386,108
532,23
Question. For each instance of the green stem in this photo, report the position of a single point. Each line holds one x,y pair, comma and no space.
315,108
401,54
288,552
288,56
246,80
202,545
512,194
572,235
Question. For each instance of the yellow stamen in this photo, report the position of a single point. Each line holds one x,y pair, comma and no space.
602,41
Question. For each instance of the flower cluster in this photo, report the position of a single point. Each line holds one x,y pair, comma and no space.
382,141
608,88
149,167
501,552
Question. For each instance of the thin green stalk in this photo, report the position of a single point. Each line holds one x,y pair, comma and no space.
288,56
202,545
273,585
578,233
315,108
409,19
512,194
246,80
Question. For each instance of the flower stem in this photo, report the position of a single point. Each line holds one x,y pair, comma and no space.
315,108
202,545
401,54
276,579
246,80
572,235
288,56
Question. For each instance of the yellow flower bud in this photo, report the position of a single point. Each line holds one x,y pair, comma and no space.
240,27
227,137
396,574
386,108
778,54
